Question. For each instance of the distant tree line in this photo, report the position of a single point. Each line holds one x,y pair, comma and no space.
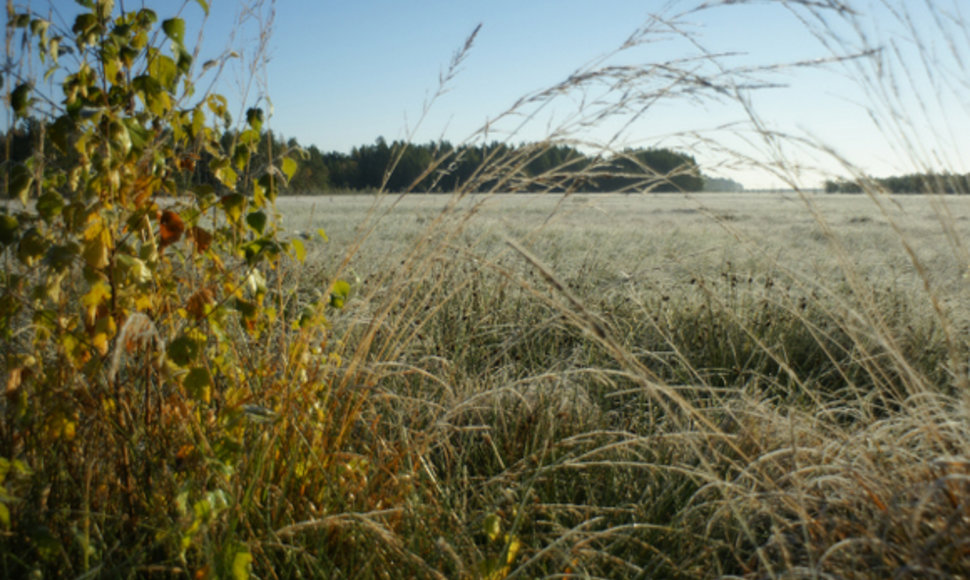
721,184
947,183
443,167
440,166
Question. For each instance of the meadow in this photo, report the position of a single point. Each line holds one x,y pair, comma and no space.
204,378
669,385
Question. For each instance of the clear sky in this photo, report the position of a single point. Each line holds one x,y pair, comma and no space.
342,73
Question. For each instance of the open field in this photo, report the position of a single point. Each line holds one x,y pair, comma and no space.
668,385
663,238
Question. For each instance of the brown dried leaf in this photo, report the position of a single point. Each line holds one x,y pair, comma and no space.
171,228
201,237
196,303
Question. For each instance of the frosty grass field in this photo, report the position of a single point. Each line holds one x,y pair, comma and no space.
657,384
661,238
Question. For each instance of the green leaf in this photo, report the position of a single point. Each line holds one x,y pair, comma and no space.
118,136
257,221
50,205
39,27
183,350
84,24
139,135
240,157
164,70
147,17
9,227
269,185
134,268
492,527
204,192
217,104
20,99
249,137
20,182
174,28
258,249
204,5
322,234
104,8
97,251
32,246
245,307
148,86
198,122
198,384
184,61
233,205
227,175
339,293
4,516
259,195
61,257
254,118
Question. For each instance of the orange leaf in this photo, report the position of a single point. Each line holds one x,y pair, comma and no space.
171,228
201,237
187,162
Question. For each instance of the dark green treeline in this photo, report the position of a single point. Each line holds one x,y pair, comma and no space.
433,167
949,183
442,167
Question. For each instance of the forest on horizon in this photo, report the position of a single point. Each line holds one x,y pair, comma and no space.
443,167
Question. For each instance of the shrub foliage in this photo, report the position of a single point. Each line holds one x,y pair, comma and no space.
135,308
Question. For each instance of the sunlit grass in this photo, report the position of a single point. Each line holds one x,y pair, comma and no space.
642,385
707,428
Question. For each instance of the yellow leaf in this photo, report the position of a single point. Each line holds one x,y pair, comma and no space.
513,548
68,429
97,243
240,565
144,302
97,295
100,342
96,254
299,250
94,228
492,526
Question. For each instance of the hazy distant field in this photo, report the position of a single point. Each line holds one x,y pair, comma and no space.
663,237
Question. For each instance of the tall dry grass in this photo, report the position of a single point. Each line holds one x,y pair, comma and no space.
495,410
756,423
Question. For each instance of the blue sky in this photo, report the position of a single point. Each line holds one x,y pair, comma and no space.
341,73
